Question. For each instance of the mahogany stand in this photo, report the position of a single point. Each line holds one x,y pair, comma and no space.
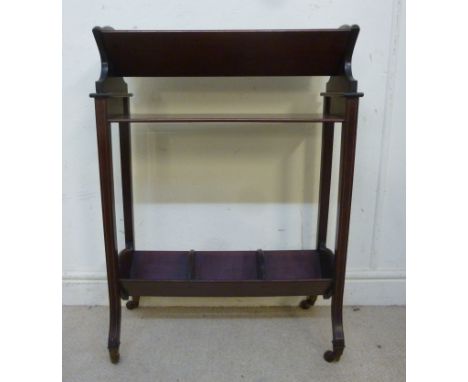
311,272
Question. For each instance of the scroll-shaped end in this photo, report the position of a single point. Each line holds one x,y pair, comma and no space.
97,32
98,29
346,82
105,83
353,27
349,52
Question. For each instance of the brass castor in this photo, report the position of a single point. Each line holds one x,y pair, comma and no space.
308,302
132,304
114,355
331,356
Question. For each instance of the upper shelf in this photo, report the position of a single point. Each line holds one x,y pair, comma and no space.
228,53
139,53
258,118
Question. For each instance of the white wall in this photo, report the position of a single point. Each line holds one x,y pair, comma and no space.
238,187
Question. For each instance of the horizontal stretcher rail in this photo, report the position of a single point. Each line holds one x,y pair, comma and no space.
258,118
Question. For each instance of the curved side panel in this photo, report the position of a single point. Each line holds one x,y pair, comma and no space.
346,83
106,83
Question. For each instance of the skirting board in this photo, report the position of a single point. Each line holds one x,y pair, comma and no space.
377,288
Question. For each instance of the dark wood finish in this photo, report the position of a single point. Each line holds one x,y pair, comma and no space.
127,189
224,53
126,169
345,82
110,95
310,273
325,178
159,265
223,265
229,266
236,288
347,155
108,215
225,273
191,275
342,94
257,118
260,265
